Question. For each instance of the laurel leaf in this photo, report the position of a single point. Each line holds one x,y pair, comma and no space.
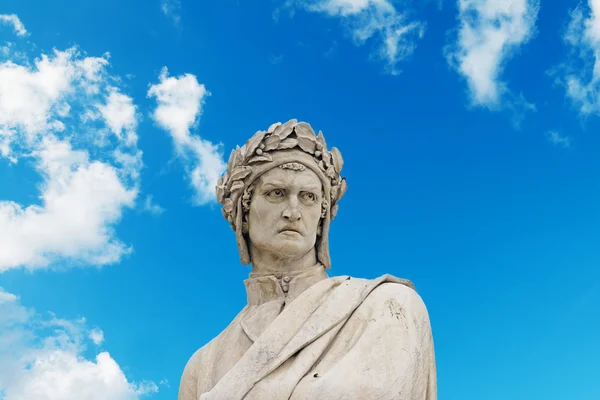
288,143
338,161
236,185
225,181
343,188
273,126
272,142
321,141
228,206
330,172
334,193
231,159
220,189
278,129
265,157
326,158
286,132
254,142
334,211
304,130
240,173
283,131
308,145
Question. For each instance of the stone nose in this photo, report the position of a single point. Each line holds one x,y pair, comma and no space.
291,214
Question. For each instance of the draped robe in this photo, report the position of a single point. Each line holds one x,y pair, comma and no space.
311,337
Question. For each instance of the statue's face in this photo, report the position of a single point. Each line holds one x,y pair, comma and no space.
285,212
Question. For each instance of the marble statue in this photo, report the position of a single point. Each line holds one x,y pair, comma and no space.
304,335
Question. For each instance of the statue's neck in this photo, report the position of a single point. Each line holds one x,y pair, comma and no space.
267,263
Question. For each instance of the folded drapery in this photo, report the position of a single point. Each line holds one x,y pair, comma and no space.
340,338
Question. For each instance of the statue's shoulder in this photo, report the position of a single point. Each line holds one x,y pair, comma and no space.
398,293
189,379
384,279
387,289
195,370
199,368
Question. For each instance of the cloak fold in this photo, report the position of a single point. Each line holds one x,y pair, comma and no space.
341,338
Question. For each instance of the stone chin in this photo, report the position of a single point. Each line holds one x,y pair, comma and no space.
293,245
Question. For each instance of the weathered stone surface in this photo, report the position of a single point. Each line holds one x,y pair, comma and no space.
304,335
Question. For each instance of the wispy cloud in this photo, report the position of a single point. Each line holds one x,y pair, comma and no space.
378,20
274,60
172,9
151,207
489,33
558,140
97,336
15,22
179,105
580,74
42,357
65,118
330,53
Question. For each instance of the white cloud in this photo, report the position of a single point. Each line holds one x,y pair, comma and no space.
81,199
180,101
582,71
152,207
36,94
89,175
8,52
489,33
97,336
17,25
6,49
558,140
120,115
367,19
6,297
172,9
42,358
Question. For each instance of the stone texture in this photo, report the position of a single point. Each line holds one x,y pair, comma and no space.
304,335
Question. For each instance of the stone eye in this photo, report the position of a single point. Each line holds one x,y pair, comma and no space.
276,193
309,196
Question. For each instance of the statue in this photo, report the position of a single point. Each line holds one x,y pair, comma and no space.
304,335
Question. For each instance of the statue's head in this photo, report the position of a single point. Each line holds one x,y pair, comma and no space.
280,192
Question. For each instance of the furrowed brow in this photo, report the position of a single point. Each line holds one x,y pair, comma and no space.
273,185
311,187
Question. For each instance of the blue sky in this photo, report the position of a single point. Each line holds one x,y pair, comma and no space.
470,137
